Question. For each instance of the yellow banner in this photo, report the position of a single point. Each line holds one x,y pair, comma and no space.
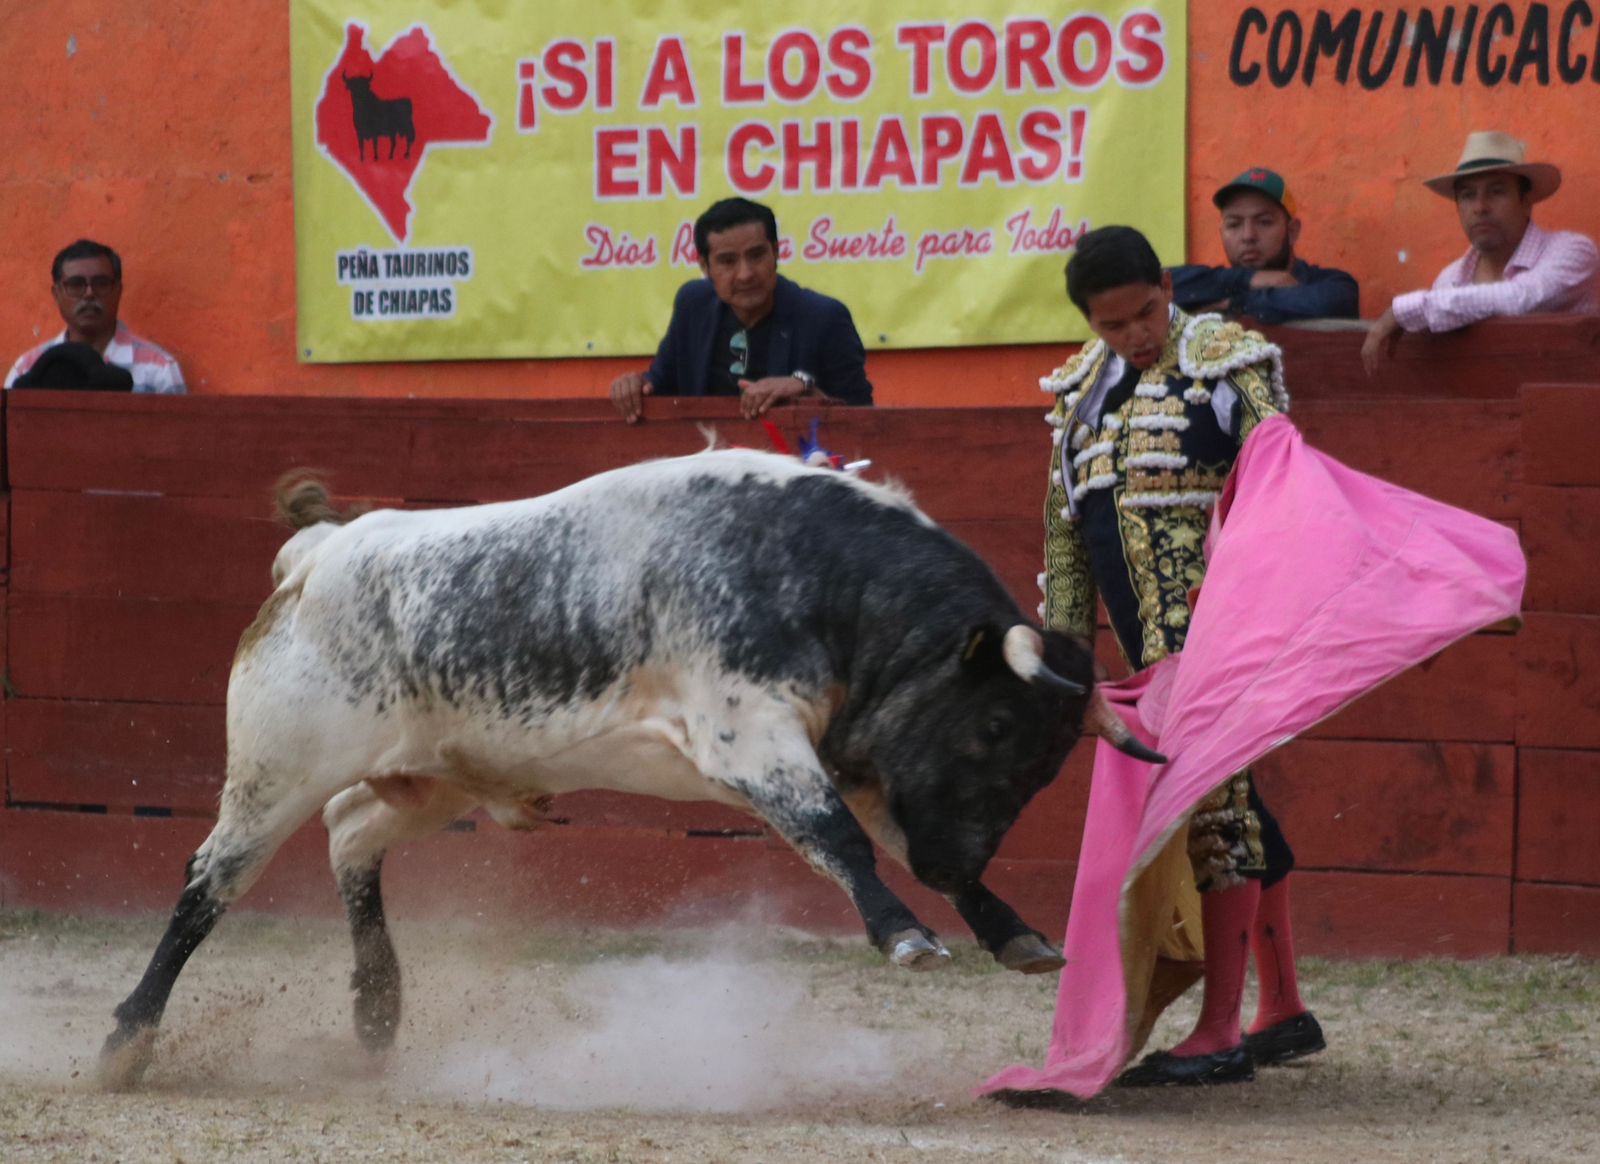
522,179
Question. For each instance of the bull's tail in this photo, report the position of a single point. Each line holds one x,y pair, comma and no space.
305,506
303,500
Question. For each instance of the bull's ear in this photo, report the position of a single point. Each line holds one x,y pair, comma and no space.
983,647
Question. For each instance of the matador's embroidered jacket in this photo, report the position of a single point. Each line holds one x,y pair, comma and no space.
1130,497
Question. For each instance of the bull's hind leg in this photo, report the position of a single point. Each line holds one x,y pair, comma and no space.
364,822
222,869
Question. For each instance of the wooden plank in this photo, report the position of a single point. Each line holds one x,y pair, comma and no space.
86,862
138,650
1377,915
1013,549
236,446
173,756
1486,361
133,546
1557,919
613,810
1558,421
83,862
1395,807
960,464
1463,452
122,755
91,862
1466,692
6,699
500,460
273,408
1558,692
921,448
192,449
1558,823
180,447
1560,529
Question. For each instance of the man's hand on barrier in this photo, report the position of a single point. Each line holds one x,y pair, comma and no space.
627,395
1381,339
757,396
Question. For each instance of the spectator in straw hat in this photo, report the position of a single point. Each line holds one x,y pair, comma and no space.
1512,266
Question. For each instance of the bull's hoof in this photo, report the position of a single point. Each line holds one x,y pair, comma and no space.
370,1065
128,1051
917,951
1030,954
377,1015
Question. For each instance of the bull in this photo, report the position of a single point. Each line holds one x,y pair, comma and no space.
731,626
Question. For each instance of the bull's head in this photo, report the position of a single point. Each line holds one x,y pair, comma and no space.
970,749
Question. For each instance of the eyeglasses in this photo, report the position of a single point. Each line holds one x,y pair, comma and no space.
739,345
77,286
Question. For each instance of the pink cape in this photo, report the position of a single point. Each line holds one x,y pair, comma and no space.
1322,583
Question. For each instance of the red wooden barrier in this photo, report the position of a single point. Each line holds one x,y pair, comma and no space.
1453,811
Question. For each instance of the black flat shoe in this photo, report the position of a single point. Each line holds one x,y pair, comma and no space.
1164,1069
1291,1039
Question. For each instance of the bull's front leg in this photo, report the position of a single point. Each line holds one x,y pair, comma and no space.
1014,944
799,801
996,926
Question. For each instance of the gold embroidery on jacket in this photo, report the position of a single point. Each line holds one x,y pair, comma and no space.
1070,597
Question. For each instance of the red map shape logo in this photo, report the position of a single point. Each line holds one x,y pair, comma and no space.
377,119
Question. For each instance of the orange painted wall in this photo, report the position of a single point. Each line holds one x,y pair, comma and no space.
163,129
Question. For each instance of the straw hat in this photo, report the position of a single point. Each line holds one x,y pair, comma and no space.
1490,151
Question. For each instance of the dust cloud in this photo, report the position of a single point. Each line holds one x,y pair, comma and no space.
712,1020
657,1035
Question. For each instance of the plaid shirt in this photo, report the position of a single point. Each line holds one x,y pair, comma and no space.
153,370
1551,271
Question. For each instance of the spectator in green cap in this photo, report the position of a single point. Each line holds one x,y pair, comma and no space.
1264,281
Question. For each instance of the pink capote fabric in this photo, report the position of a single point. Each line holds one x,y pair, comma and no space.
1321,584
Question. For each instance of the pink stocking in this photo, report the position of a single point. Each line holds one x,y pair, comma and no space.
1272,943
1226,918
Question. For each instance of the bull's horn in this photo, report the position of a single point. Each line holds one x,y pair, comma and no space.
1100,719
1024,654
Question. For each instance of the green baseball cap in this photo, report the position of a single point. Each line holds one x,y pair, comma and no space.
1263,181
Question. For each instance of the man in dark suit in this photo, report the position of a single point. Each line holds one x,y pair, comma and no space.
746,331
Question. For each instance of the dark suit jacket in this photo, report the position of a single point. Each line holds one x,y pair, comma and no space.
810,333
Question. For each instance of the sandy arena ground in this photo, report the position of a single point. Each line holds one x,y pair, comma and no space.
743,1044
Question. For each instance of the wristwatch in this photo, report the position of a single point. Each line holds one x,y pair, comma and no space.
806,379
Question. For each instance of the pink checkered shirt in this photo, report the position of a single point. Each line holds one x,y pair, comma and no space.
153,370
1551,271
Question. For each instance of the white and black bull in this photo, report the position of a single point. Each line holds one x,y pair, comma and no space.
730,626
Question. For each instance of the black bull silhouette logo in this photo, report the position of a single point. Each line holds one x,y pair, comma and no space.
376,117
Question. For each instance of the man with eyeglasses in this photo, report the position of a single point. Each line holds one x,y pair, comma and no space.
746,331
86,281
